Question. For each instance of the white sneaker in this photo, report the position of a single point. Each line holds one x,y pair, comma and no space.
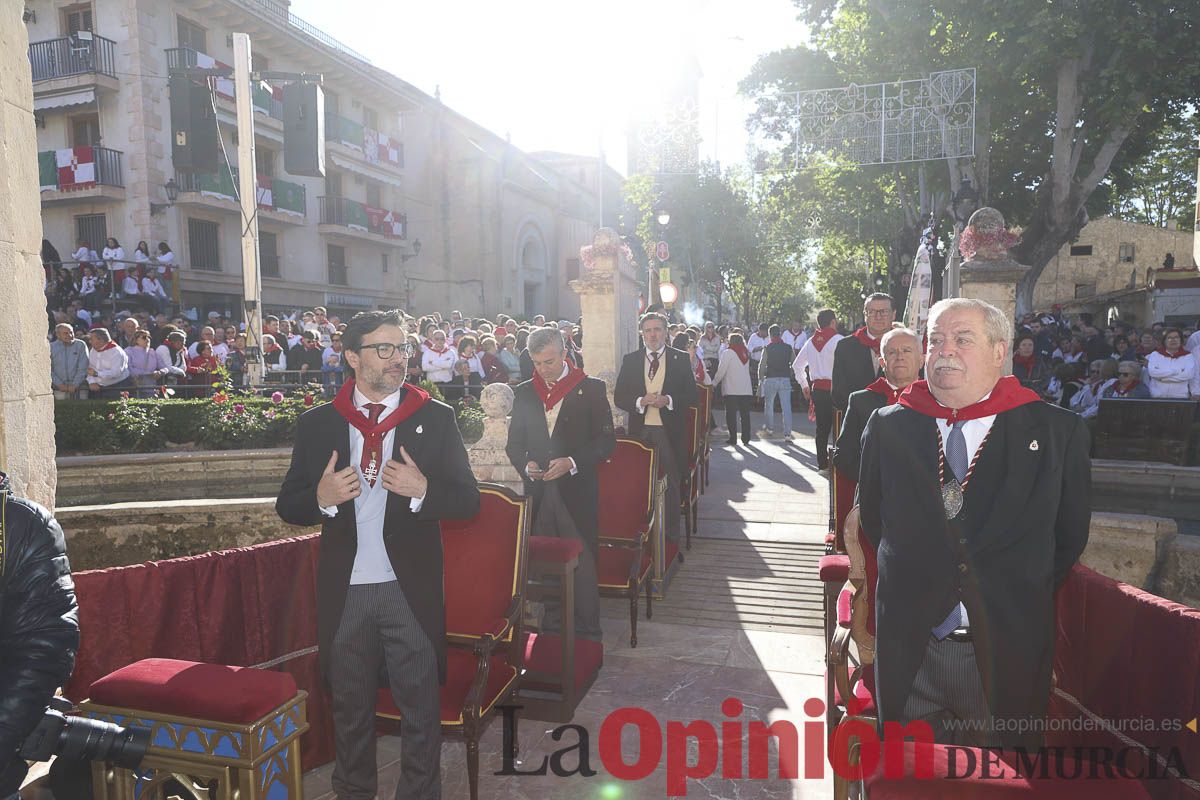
766,433
789,437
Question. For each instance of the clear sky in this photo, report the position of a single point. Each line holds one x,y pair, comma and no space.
564,74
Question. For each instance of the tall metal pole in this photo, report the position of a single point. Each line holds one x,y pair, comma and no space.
248,195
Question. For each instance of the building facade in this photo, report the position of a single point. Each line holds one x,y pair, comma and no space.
1109,267
419,208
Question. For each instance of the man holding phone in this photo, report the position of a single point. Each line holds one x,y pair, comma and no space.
561,430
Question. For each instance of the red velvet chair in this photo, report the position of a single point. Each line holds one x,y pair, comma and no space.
627,508
706,404
850,675
484,564
690,473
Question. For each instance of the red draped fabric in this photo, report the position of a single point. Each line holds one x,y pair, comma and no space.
239,607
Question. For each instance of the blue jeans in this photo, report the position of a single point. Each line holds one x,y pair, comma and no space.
783,388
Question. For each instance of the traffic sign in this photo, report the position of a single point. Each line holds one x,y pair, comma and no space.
662,251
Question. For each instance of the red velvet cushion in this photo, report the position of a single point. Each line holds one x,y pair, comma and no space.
613,569
200,691
460,672
834,568
554,550
481,564
977,787
844,605
625,486
543,653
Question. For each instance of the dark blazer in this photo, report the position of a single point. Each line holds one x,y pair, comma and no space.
526,364
855,367
413,541
1023,525
848,448
583,431
679,383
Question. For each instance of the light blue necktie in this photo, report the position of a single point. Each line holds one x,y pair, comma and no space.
956,459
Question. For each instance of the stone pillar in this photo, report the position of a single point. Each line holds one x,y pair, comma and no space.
26,402
988,273
489,462
608,304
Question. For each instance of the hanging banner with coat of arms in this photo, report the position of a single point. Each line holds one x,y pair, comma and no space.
76,168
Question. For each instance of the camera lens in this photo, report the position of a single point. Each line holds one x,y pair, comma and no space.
94,740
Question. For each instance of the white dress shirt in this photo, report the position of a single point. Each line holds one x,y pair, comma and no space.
819,362
756,344
974,432
371,563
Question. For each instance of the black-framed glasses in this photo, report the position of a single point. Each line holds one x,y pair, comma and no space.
385,350
880,313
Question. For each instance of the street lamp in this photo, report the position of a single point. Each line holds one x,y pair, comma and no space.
669,293
416,251
965,201
664,217
172,195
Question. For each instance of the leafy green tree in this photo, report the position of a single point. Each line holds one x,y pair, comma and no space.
1161,188
1068,93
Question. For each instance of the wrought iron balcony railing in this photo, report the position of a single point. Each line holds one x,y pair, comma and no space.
83,53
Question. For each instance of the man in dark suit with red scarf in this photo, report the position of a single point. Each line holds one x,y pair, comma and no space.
561,429
856,360
976,497
378,468
901,361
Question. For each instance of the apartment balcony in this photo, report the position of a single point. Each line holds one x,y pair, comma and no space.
69,70
345,219
81,174
279,200
365,151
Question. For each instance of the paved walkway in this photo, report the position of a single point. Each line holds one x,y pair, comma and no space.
741,619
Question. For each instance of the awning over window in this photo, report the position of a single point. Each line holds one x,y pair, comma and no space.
82,97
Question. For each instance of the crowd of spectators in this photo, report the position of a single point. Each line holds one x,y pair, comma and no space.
1077,363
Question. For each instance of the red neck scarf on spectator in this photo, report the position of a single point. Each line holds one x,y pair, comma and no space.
274,347
1180,353
1007,394
821,337
882,387
864,337
108,346
435,349
741,351
1119,392
552,394
1025,361
414,397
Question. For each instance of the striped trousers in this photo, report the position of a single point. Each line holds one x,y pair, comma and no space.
947,692
379,629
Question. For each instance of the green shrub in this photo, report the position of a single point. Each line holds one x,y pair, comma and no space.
470,420
127,428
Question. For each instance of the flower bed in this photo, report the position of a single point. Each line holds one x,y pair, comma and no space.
225,421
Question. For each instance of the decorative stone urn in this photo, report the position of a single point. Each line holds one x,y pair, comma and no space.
988,272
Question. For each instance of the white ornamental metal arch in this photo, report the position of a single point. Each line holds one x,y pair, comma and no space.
894,122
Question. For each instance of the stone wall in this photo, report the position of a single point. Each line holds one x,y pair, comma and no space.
85,480
26,407
130,533
1103,269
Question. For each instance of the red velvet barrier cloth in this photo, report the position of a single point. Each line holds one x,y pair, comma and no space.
239,607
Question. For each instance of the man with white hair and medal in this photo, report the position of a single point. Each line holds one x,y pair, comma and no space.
976,497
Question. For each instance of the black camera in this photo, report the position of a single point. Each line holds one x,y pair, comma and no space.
79,738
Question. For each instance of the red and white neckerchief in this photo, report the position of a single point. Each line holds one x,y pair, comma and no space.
1180,353
821,337
374,433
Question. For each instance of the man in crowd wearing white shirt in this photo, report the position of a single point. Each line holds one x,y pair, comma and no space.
207,334
813,370
108,366
756,344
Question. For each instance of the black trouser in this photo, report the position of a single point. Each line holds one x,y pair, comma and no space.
823,407
738,405
754,377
